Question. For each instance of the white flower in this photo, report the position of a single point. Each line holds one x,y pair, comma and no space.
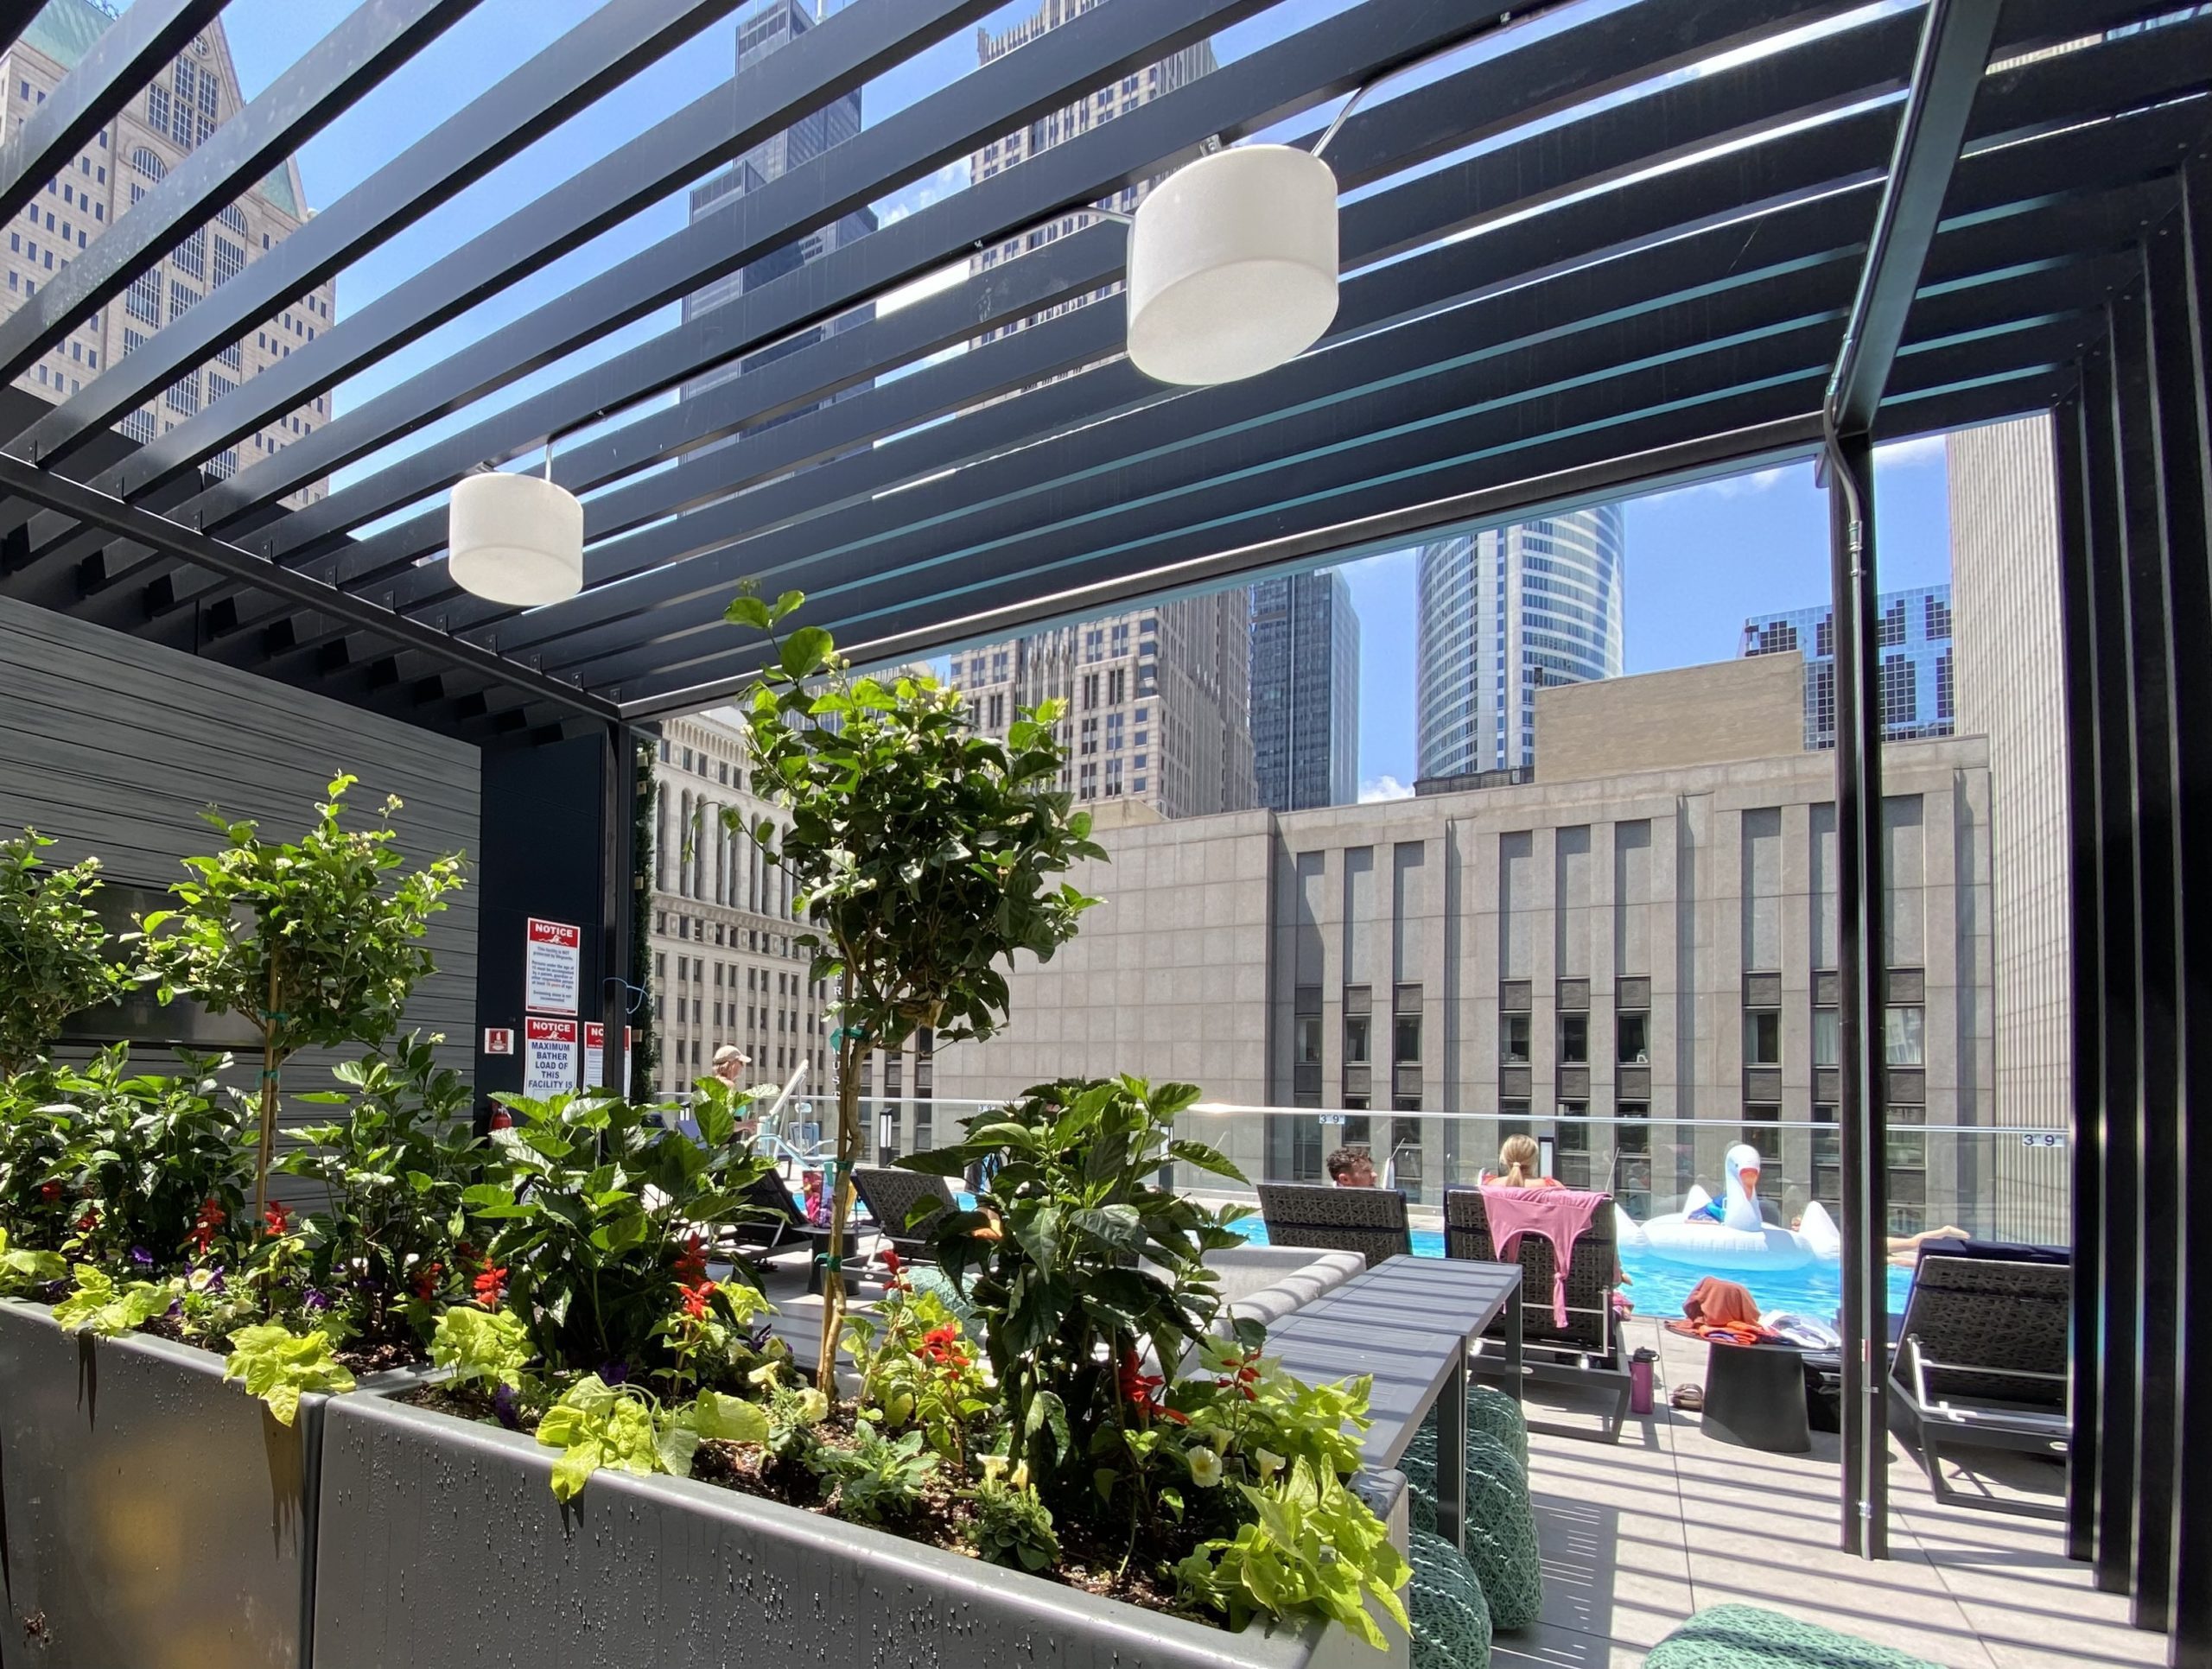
762,1376
812,1406
1205,1466
1270,1463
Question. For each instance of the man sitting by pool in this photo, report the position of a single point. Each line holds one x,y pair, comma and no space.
1352,1167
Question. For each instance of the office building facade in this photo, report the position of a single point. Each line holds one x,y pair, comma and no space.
161,128
1305,700
1504,613
1912,634
1642,949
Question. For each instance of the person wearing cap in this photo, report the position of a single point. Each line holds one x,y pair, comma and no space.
730,1063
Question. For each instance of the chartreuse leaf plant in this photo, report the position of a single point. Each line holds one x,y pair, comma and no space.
922,857
98,1306
22,1270
313,941
278,1366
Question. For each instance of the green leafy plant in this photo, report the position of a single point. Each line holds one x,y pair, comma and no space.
305,939
592,1208
22,1270
917,1369
52,948
922,857
875,1477
98,1305
392,1174
1078,1257
626,1427
152,1168
1310,1545
1011,1526
278,1366
487,1345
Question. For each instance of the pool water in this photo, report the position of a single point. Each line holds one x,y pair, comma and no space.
1658,1287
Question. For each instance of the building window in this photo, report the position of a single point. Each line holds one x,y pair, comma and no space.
184,395
230,259
1356,1037
1634,1035
1889,630
143,300
1309,1039
1900,692
1938,619
1405,1037
1574,1039
144,160
232,216
1902,1043
1762,1037
1947,695
139,426
181,300
190,257
1824,637
1513,1039
1828,1038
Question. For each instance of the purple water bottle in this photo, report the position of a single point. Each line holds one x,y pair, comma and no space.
1639,1379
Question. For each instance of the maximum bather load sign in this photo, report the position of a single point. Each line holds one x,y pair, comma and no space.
548,1057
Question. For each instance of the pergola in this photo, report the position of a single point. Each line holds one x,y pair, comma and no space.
1596,250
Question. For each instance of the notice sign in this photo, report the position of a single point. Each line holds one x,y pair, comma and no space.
595,1051
552,967
548,1059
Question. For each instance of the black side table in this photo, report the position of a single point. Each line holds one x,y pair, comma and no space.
1755,1396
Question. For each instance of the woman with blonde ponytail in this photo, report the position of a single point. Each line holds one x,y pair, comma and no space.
1517,1160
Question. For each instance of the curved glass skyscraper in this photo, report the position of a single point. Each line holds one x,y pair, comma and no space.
1503,612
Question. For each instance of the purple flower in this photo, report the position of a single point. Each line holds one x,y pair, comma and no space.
141,1257
315,1300
615,1372
503,1405
759,1337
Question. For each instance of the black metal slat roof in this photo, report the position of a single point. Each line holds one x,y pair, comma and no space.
1569,278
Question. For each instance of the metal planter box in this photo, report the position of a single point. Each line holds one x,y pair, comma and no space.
152,1515
441,1542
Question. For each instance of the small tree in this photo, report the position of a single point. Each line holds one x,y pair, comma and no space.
304,940
921,854
51,960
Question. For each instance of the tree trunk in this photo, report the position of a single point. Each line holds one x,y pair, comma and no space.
841,1209
271,1064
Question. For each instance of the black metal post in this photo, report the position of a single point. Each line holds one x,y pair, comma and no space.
1862,968
2079,603
618,899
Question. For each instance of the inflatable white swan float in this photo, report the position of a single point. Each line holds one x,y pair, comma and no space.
1740,1238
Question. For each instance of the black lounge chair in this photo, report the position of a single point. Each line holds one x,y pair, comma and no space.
892,1197
1981,1364
774,1222
1324,1218
1588,1351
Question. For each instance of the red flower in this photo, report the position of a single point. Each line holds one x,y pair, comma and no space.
1140,1388
697,1299
89,1219
210,1219
275,1220
692,1262
490,1287
894,1268
467,1252
1175,1414
49,1192
426,1281
941,1346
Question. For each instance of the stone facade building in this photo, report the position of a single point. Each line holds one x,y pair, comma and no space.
1654,949
175,115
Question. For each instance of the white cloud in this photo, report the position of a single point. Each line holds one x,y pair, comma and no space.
1384,787
1911,454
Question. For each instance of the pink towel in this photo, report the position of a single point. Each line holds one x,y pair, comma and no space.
1559,1215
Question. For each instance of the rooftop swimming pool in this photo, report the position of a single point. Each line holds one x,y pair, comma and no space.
1658,1287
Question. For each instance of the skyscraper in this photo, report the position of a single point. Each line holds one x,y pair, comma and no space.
1913,633
776,24
1305,692
178,112
1503,612
1159,698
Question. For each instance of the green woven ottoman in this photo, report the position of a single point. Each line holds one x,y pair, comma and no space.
1451,1619
1502,1533
1751,1637
1491,1411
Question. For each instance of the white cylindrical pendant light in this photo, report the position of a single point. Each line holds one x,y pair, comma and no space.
516,539
1233,265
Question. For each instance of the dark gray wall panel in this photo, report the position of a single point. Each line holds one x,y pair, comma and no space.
115,746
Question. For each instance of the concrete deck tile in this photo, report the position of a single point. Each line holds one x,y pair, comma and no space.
1547,1647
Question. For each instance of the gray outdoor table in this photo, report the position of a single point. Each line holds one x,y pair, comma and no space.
1454,1294
1412,1371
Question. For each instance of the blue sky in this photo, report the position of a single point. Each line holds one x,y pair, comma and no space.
1699,560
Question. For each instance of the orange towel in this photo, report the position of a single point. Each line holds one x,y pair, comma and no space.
1720,1302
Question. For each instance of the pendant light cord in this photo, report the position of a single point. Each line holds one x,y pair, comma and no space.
1359,94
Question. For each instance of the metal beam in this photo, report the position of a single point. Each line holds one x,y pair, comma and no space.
86,505
130,52
607,48
1953,51
370,42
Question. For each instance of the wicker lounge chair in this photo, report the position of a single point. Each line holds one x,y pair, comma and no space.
891,1197
1323,1218
1982,1365
1588,1352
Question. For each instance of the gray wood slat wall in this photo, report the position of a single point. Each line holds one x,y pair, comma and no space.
114,748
